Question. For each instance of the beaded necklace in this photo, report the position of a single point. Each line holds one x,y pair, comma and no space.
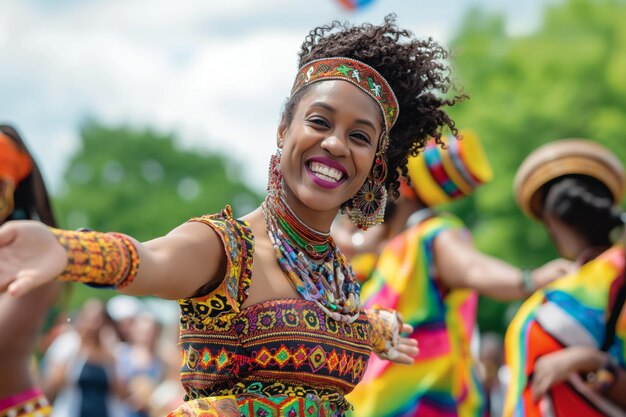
330,283
316,244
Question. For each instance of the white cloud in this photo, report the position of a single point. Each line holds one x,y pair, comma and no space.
215,72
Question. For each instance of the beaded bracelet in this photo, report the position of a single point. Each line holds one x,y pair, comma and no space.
385,328
103,260
527,282
603,379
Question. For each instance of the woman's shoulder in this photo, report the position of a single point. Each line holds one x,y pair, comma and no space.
231,230
238,245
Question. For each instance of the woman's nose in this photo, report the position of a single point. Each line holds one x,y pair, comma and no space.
335,143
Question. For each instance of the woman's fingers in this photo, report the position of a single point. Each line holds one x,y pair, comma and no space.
539,388
403,359
7,234
25,281
406,328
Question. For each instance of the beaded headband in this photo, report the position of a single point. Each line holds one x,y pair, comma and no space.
357,73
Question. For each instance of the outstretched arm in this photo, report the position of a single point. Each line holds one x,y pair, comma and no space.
460,265
173,266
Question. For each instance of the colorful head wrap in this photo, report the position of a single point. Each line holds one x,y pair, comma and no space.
15,164
566,157
441,175
357,73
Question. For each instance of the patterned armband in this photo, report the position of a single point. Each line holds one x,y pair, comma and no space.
385,328
103,260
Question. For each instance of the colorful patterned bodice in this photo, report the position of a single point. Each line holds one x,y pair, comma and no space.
280,349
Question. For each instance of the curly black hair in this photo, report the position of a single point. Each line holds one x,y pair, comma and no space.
416,71
586,205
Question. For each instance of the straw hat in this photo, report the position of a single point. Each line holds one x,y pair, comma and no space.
441,175
565,157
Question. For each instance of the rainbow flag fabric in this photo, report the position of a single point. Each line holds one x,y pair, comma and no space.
572,311
442,381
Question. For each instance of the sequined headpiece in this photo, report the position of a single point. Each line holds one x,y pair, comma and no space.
357,73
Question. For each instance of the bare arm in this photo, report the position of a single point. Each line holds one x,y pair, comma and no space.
177,265
460,265
556,367
173,266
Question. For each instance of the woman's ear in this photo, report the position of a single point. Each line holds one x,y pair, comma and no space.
282,131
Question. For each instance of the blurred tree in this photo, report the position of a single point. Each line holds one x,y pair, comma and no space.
564,80
142,183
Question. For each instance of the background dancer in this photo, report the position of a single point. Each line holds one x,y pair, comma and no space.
566,346
432,274
23,195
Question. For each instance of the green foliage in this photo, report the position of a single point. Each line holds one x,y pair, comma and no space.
564,80
142,183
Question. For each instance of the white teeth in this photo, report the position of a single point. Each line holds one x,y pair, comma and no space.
325,172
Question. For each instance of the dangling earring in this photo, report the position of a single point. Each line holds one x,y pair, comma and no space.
367,207
274,180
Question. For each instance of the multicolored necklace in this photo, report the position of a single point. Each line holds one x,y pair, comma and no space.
324,277
315,243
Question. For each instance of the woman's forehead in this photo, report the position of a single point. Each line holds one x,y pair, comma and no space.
342,96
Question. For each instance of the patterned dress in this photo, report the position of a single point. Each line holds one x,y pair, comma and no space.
442,382
278,358
29,403
572,311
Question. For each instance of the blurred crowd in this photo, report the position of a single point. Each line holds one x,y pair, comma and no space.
120,355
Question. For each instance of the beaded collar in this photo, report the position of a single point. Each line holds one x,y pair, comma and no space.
319,272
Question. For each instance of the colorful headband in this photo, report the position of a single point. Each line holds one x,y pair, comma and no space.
566,157
441,175
15,164
357,73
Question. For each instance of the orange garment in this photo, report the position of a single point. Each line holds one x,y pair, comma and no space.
15,164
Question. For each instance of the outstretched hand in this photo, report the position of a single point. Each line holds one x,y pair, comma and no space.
30,256
551,271
407,349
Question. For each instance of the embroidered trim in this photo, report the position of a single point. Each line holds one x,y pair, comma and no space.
358,73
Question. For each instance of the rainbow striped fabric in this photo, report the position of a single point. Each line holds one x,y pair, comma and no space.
442,381
571,311
445,174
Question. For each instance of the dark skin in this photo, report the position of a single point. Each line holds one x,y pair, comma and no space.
21,322
556,367
468,267
334,119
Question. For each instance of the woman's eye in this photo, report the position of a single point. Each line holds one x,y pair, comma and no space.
362,137
320,122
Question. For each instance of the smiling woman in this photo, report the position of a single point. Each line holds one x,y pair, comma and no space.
364,99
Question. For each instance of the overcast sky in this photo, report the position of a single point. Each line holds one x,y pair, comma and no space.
214,72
